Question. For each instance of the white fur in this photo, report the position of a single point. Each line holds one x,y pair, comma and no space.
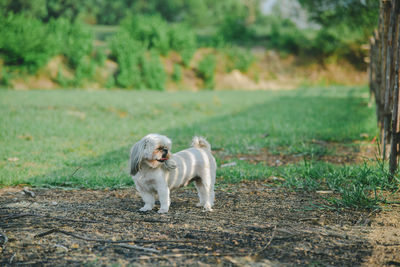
152,177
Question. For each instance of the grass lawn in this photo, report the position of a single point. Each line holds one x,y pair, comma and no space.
75,138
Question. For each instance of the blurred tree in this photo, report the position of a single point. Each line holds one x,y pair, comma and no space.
35,8
346,25
194,12
45,10
356,14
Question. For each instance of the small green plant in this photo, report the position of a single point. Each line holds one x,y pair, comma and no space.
61,79
206,70
239,58
5,78
177,74
153,72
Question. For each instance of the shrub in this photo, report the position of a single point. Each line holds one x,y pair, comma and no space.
5,78
286,37
75,42
128,53
153,72
29,43
234,26
150,30
157,34
177,74
239,58
184,41
138,68
25,42
206,70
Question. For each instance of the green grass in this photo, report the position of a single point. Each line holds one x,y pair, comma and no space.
76,138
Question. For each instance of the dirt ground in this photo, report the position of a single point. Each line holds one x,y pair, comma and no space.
253,224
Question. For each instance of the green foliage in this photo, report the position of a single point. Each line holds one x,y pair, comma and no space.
138,68
346,25
5,77
239,58
206,70
128,53
234,26
183,40
157,34
75,42
137,45
150,30
45,10
177,74
153,71
286,37
25,42
62,80
358,186
356,15
337,40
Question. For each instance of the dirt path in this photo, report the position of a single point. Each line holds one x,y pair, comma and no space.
252,224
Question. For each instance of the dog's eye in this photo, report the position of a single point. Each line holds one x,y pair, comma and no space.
160,148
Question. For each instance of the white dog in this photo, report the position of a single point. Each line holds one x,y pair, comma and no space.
155,170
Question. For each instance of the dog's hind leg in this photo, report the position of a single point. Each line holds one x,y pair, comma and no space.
206,194
201,192
165,201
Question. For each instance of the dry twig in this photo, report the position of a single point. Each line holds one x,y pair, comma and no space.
268,243
116,243
5,240
136,247
20,215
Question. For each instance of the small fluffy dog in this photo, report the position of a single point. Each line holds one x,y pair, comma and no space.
155,170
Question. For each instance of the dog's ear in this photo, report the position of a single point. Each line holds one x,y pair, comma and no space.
137,153
170,164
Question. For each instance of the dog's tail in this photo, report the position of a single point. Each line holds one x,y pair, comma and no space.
200,142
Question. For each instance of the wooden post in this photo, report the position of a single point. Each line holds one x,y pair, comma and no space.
394,153
385,104
376,71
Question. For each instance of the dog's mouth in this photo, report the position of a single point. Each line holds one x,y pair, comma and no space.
162,159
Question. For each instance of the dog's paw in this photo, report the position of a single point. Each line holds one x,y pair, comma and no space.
162,211
199,204
145,208
207,207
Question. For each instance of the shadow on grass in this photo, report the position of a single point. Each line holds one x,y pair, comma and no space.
288,121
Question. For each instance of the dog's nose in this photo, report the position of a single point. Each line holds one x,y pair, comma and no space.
165,151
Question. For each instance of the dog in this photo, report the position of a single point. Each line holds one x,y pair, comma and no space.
156,171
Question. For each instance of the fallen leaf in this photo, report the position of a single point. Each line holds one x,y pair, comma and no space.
75,245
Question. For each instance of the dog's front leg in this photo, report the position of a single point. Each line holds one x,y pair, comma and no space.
165,201
148,199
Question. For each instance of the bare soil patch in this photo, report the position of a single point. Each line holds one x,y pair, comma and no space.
252,224
336,153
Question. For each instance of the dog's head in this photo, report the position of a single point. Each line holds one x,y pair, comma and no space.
152,150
